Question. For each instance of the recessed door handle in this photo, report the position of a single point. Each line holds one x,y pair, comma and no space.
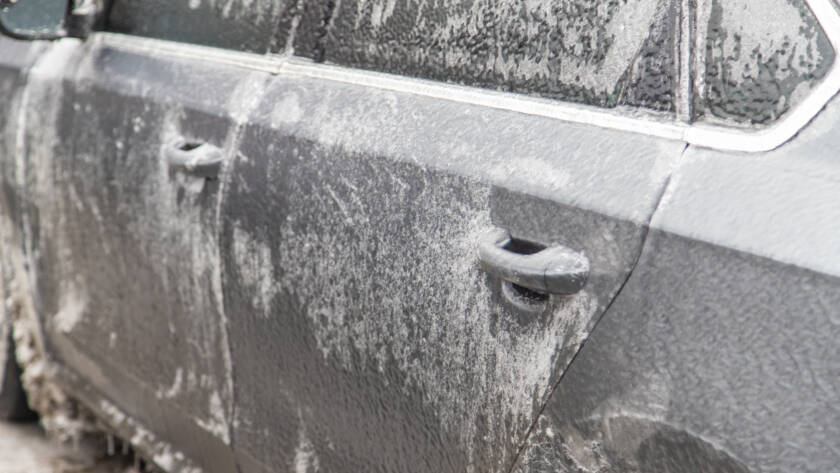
195,159
553,270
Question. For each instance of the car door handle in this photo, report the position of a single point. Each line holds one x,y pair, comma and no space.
553,270
195,159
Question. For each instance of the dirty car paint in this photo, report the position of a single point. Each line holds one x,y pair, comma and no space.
355,298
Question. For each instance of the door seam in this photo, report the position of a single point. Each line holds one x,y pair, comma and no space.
239,125
663,191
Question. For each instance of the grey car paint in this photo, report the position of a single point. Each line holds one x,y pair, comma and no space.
124,251
16,59
330,310
350,238
13,66
326,284
720,354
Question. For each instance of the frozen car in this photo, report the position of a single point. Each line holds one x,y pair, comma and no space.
426,235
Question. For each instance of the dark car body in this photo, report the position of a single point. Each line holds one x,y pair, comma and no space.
247,233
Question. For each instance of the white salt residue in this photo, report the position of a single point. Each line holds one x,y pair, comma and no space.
217,424
257,11
173,390
755,33
114,414
770,55
306,460
381,258
246,96
72,306
380,11
542,174
174,232
286,111
703,12
412,294
194,4
253,262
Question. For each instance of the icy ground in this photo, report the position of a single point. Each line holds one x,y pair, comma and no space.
25,449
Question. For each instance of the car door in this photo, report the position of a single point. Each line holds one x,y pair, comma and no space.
121,159
16,57
365,335
334,258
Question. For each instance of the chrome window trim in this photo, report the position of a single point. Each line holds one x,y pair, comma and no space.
711,136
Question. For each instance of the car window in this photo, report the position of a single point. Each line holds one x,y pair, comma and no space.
37,18
762,57
751,60
244,25
604,53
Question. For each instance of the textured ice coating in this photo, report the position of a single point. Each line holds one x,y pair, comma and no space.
762,58
603,53
246,25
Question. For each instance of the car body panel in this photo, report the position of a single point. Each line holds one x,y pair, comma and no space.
114,232
127,263
16,57
721,349
319,303
350,247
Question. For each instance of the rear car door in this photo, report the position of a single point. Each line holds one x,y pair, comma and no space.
364,334
16,57
362,327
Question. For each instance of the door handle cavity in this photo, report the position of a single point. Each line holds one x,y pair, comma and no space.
195,159
552,270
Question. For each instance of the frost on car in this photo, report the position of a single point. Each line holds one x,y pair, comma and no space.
323,236
598,53
760,61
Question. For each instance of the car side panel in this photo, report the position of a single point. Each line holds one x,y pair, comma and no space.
123,251
16,57
364,335
721,352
